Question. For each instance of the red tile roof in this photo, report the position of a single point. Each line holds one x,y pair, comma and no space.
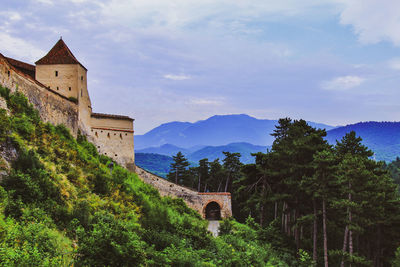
109,116
59,54
26,68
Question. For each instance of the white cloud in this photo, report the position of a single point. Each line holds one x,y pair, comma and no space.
206,101
373,20
342,83
11,15
46,2
394,63
19,48
174,77
176,14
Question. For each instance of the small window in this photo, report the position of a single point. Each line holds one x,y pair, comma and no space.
116,155
108,135
105,153
56,73
96,134
58,88
8,72
101,131
81,78
126,134
115,134
69,88
120,136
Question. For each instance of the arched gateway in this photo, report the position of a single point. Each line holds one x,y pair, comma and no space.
213,211
211,206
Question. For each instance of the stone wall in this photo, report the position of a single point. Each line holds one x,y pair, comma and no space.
113,137
66,81
52,107
195,200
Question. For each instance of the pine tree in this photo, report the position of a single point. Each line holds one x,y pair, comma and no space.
232,167
179,172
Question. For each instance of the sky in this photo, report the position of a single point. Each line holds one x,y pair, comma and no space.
329,61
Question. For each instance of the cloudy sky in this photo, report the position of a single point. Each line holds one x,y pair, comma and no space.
329,61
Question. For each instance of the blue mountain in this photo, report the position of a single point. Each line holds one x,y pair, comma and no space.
215,131
381,137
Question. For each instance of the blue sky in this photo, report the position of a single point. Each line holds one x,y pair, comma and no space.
333,61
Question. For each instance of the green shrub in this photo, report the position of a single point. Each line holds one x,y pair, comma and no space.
110,242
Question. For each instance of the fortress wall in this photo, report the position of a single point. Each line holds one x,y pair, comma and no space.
223,199
195,200
67,78
52,107
114,138
85,105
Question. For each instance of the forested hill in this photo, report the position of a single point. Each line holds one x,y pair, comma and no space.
381,137
168,139
60,205
210,152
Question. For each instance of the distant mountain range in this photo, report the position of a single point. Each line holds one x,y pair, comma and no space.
381,137
215,131
245,134
210,152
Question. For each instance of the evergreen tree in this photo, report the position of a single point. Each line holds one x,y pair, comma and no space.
203,174
179,172
216,177
232,166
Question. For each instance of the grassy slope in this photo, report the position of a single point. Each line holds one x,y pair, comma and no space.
60,205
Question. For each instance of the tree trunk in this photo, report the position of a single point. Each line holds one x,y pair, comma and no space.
219,186
227,182
276,210
350,231
283,216
198,186
315,255
346,234
296,229
262,215
263,196
325,234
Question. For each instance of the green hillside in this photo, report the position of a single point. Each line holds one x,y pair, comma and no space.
61,206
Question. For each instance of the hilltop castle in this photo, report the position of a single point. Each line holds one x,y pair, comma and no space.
57,87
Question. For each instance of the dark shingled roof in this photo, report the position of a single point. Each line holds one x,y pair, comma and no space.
59,54
26,68
109,116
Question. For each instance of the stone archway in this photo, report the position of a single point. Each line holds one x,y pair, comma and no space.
213,211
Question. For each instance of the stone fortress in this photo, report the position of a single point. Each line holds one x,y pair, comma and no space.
57,87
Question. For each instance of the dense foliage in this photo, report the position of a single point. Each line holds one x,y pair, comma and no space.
334,202
60,205
394,170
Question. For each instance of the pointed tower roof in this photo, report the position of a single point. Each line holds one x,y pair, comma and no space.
59,54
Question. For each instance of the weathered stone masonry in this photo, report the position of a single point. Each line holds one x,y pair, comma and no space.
57,87
195,200
52,107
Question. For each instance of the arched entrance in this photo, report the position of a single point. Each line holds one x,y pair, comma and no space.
213,211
